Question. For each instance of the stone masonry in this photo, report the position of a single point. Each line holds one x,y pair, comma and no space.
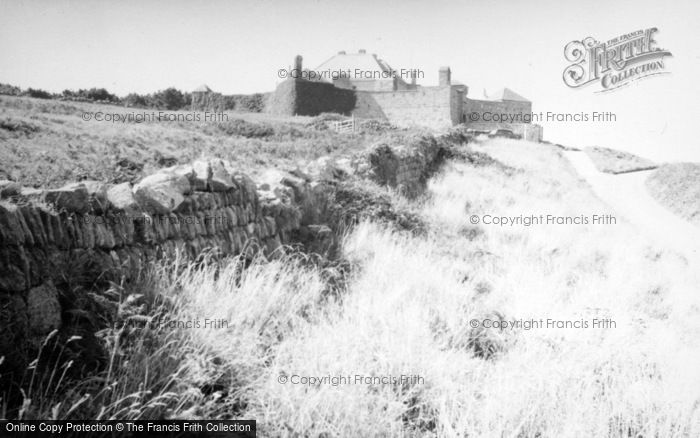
92,231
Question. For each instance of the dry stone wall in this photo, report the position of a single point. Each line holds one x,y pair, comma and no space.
492,111
89,232
529,131
190,207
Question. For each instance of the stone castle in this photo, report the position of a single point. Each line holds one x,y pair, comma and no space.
380,92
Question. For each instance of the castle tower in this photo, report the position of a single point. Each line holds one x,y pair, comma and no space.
199,97
445,77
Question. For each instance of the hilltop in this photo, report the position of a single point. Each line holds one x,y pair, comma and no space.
47,143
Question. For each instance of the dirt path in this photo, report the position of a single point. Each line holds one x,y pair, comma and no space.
627,195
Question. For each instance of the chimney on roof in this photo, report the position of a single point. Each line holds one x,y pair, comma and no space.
444,75
363,51
413,76
297,64
342,52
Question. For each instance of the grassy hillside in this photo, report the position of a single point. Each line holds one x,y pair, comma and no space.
415,304
677,186
46,143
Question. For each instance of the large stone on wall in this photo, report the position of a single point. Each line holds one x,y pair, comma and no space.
9,188
31,194
80,197
162,193
122,198
43,309
221,179
73,198
207,175
202,172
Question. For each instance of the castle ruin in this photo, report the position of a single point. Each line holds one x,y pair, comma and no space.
366,86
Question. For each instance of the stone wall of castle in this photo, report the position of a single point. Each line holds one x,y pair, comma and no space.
489,111
431,107
308,98
487,115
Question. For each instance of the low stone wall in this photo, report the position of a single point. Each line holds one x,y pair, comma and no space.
88,233
529,131
496,111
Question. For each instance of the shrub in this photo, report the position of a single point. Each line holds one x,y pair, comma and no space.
10,90
91,95
136,100
254,103
246,129
19,127
38,93
169,99
98,94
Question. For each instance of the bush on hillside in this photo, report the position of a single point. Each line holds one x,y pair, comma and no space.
254,103
38,93
246,129
169,99
135,100
91,95
18,127
10,90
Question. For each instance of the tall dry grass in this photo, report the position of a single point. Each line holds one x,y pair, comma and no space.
407,309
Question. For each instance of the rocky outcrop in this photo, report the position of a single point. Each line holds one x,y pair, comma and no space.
405,167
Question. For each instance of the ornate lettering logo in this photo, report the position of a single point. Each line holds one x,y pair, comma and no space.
614,63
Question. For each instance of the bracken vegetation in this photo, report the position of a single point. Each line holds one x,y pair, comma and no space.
48,144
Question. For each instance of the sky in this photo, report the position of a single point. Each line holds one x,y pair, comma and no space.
237,46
